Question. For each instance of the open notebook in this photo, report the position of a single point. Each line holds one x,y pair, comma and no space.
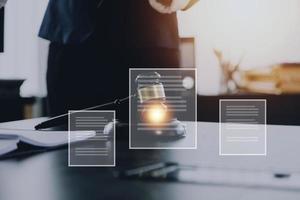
10,138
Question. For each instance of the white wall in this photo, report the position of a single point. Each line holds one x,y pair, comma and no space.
24,54
261,32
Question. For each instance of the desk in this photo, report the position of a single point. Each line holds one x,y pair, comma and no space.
46,176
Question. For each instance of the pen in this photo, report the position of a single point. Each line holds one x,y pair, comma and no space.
52,122
140,171
62,119
146,171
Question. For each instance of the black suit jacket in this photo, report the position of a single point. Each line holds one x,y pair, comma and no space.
130,23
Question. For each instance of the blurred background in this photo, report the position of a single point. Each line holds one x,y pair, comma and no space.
241,48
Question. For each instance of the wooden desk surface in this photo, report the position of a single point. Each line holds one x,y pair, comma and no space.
47,176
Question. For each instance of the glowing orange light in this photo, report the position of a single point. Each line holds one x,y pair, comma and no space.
156,114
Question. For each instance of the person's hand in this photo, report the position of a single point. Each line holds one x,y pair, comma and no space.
2,3
178,5
174,6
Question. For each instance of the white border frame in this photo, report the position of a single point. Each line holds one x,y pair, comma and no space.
220,132
101,111
196,127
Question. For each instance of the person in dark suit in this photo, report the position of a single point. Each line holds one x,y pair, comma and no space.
95,42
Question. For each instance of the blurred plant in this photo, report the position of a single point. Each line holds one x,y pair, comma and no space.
229,79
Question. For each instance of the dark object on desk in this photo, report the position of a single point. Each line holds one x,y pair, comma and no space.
282,175
175,172
156,171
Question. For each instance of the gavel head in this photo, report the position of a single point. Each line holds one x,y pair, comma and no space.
152,97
